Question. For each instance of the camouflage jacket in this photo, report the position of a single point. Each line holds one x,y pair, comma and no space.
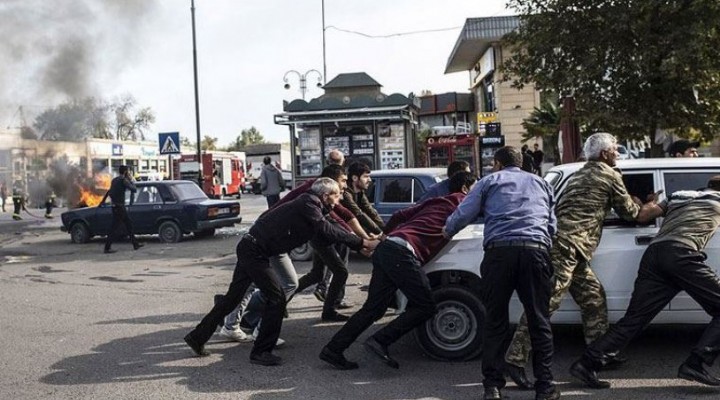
591,192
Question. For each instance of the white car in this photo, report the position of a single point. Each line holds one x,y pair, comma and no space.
454,333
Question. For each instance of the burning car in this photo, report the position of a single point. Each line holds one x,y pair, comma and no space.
169,209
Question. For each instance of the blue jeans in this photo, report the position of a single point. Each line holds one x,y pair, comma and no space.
254,301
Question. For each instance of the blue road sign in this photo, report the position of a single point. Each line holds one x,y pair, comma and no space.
169,142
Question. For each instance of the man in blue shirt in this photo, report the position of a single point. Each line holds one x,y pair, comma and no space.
442,188
519,224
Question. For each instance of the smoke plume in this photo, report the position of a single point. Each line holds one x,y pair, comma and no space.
55,50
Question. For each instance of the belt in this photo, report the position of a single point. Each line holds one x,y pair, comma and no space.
402,242
516,243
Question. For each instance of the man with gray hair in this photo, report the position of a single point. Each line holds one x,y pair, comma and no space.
588,197
335,156
277,231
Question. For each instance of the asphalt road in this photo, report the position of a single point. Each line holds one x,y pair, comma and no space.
77,323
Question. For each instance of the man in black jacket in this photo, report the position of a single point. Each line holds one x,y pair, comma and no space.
277,231
118,186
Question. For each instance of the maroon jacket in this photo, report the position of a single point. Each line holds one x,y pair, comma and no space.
421,225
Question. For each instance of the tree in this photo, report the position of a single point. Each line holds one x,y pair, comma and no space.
131,125
632,66
74,120
544,123
246,137
186,144
208,143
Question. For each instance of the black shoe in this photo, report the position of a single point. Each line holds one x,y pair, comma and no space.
197,348
266,358
691,373
334,317
138,245
109,251
492,393
614,361
320,295
517,374
554,395
587,376
337,360
343,305
381,351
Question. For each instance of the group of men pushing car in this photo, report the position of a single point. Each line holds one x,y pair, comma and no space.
532,246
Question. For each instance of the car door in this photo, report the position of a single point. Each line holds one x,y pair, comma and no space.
617,258
673,181
146,207
394,193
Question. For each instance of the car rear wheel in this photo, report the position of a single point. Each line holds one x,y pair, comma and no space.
455,332
169,232
79,233
301,253
205,233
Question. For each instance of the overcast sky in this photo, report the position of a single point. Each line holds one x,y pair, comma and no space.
105,48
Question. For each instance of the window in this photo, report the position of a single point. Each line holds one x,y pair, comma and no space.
688,180
418,191
148,195
397,190
639,185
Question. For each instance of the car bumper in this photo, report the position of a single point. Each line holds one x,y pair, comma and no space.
218,223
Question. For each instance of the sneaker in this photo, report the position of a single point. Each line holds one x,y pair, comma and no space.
280,343
236,335
320,295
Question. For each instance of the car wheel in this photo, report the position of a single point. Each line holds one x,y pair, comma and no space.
205,233
301,253
169,232
455,332
79,233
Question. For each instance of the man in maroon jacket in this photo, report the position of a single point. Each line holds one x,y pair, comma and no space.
414,237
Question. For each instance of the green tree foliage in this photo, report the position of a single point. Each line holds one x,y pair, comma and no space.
246,137
544,123
632,66
208,143
79,119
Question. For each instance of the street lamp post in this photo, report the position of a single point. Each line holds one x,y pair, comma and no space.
197,101
303,80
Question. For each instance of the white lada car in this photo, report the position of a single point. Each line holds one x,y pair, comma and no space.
455,333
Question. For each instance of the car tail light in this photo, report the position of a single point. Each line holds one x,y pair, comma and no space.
236,209
212,212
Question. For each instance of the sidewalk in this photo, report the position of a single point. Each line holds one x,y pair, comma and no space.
8,224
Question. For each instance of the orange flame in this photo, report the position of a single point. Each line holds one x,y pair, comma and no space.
88,198
102,181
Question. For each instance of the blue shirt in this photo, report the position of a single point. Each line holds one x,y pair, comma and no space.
439,189
517,206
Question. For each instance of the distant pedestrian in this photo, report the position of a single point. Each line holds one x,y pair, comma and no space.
683,148
118,186
271,182
18,197
336,156
49,203
3,194
538,158
528,164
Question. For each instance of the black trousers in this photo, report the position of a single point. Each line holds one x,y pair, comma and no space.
17,204
394,267
529,272
334,257
252,267
120,219
666,268
272,199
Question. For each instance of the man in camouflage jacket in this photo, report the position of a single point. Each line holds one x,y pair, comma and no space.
581,209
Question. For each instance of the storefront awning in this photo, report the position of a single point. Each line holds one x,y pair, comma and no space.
353,114
476,36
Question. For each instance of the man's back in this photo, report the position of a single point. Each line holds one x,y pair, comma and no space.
691,218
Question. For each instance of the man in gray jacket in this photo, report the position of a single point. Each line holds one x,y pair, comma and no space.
271,182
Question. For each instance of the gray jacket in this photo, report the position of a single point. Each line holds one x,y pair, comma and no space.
271,180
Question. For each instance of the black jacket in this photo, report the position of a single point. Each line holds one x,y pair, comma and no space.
117,189
289,225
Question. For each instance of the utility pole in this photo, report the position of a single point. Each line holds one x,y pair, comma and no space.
197,101
324,63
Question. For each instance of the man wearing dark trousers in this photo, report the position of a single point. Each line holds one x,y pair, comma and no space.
277,231
118,186
519,222
414,237
673,262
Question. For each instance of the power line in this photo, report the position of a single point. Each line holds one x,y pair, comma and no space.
392,34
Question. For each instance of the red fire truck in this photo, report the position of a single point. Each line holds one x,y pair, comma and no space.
223,172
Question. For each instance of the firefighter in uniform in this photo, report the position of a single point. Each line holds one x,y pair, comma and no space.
18,196
580,212
49,204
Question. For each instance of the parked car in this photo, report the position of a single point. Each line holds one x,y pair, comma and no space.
623,153
455,332
390,190
169,209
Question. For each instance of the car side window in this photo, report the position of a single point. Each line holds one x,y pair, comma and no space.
397,190
686,180
148,195
418,190
639,185
370,193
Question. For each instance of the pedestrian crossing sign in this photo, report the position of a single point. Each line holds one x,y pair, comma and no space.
169,142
